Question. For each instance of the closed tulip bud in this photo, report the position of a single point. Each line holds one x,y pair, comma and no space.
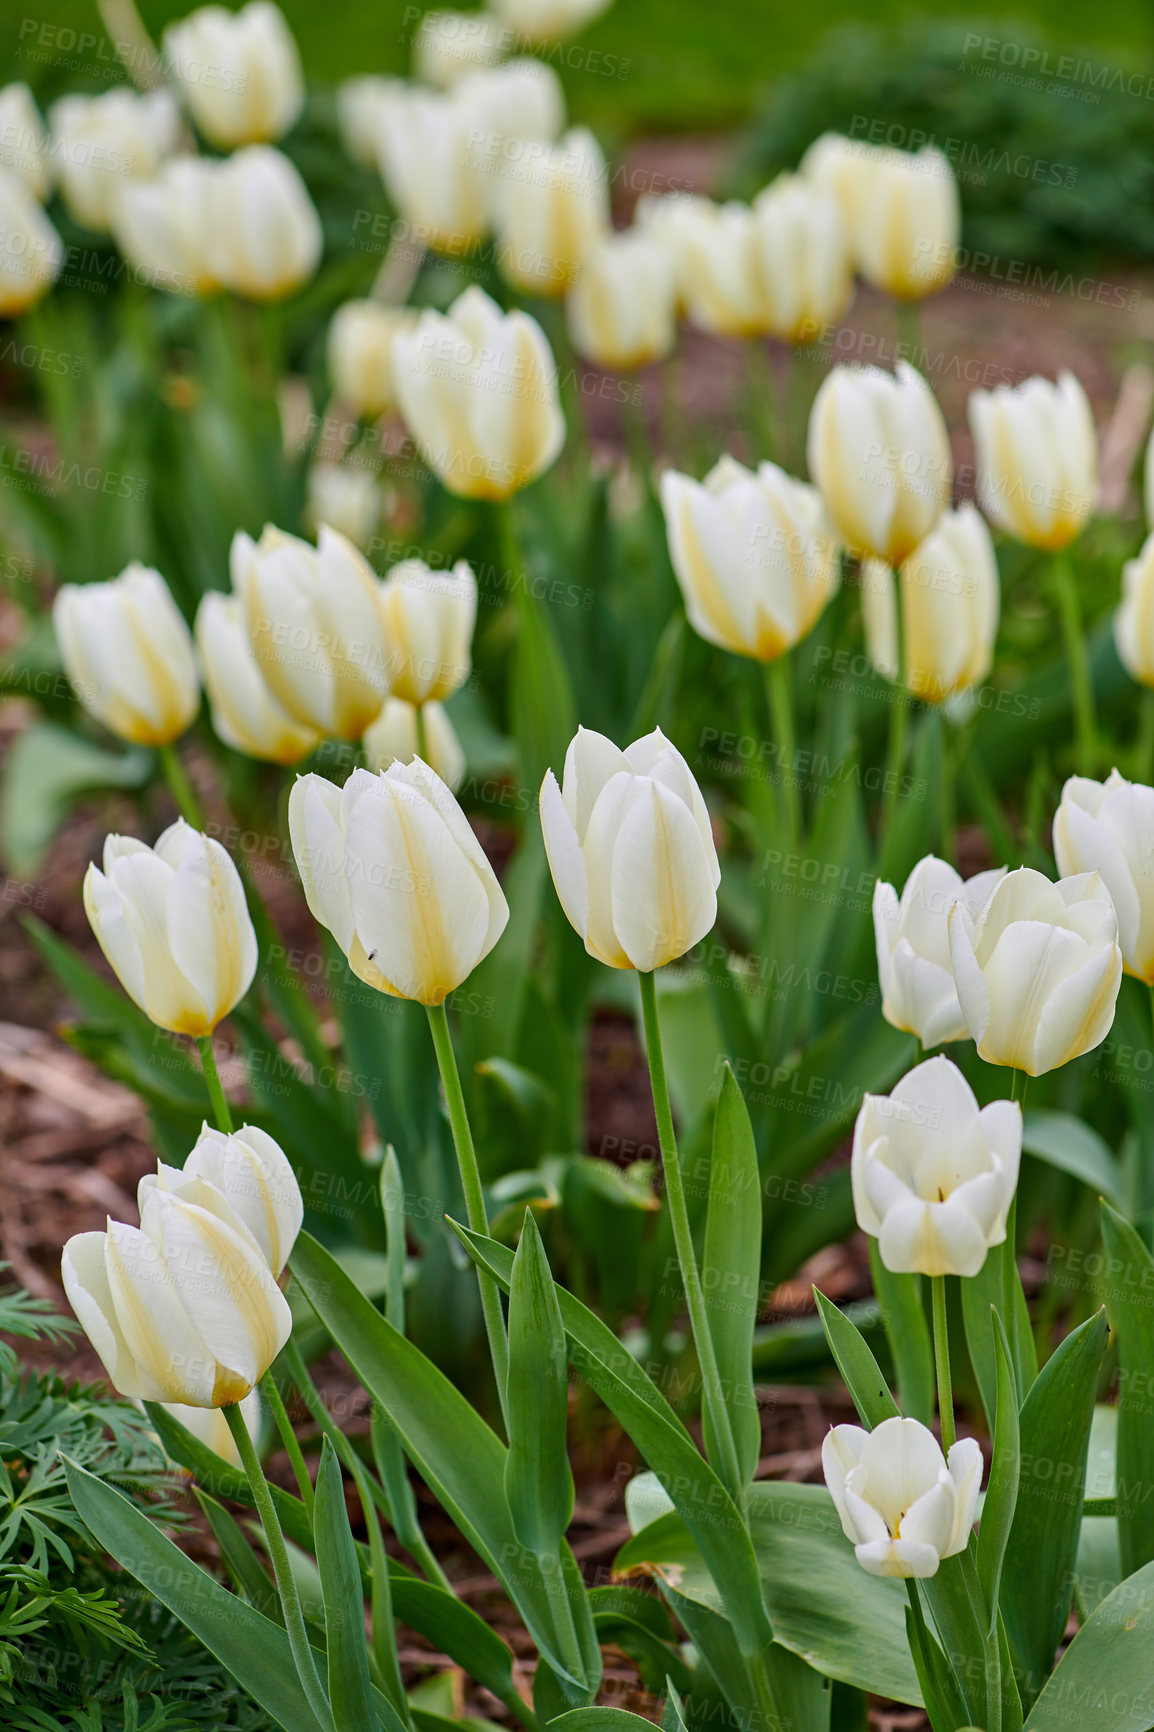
1036,456
546,20
99,143
913,947
23,140
360,354
183,1308
879,452
346,497
904,1505
840,167
429,619
174,926
450,45
1134,620
907,222
31,252
393,738
257,90
266,226
622,308
428,156
950,602
129,655
314,623
360,102
673,219
164,226
753,554
1038,969
247,1171
803,258
392,869
1108,827
210,1427
631,850
933,1176
521,99
550,218
719,268
478,391
245,714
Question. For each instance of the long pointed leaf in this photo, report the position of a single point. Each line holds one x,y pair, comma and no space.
730,1272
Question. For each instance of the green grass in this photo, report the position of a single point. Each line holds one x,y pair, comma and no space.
677,65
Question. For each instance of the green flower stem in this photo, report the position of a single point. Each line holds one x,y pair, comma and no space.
895,758
1078,662
288,1437
942,1362
215,1088
772,1717
779,696
422,736
765,430
290,1600
179,785
683,1239
1018,1082
474,1196
910,332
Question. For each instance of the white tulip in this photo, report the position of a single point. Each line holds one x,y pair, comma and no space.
239,72
23,140
429,618
174,926
840,167
521,99
950,603
183,1308
251,1173
803,258
1134,620
1036,459
450,45
719,268
753,554
478,391
933,1176
880,453
913,947
360,354
314,623
674,220
347,497
209,1426
631,850
392,869
903,1504
1148,481
99,143
245,714
622,309
550,209
427,145
266,225
1108,827
546,20
1038,969
360,103
165,226
907,221
393,736
129,655
31,252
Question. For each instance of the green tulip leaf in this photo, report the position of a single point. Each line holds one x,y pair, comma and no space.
997,1287
538,1478
48,768
1002,1489
350,1689
1130,1290
860,1371
730,1274
1064,1142
1104,1681
908,1334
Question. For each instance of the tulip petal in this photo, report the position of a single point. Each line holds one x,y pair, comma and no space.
316,830
902,1558
90,1295
173,1361
964,1463
1078,1014
663,892
973,993
566,861
210,933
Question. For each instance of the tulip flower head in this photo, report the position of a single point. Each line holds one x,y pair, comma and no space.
840,167
450,45
245,715
933,1175
631,850
1038,969
429,617
673,219
719,267
550,219
392,869
360,103
393,737
174,926
753,554
257,90
913,947
31,252
1108,827
251,1172
164,226
903,1504
23,139
360,354
880,453
129,655
478,391
622,308
268,233
100,143
1036,456
1134,620
907,222
345,496
520,99
428,154
950,601
314,625
803,256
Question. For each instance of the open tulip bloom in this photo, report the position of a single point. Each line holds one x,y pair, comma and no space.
913,947
903,1504
934,1176
1108,827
